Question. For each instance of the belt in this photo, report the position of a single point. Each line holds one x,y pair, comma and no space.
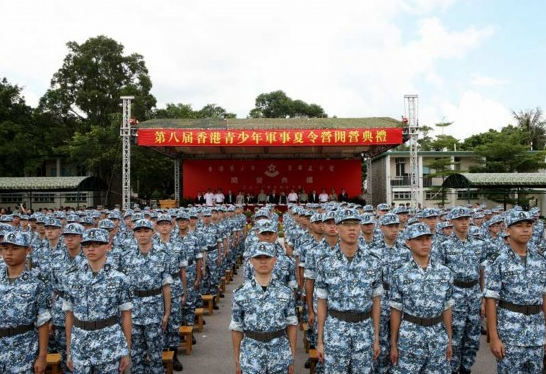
12,331
141,293
352,317
386,286
174,275
423,321
264,336
96,325
211,249
523,309
190,262
463,284
61,294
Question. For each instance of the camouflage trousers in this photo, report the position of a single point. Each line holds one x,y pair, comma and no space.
188,309
265,357
525,360
147,343
383,363
348,347
172,334
18,353
466,328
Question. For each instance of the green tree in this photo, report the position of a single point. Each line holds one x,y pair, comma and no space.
442,169
277,104
181,110
84,99
533,123
91,80
444,142
507,153
19,137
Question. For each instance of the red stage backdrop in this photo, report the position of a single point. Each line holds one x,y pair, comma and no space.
281,175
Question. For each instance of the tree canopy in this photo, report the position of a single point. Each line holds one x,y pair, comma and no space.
277,104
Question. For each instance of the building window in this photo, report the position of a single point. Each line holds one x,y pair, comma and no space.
433,195
75,198
402,195
43,198
466,195
457,164
12,198
400,166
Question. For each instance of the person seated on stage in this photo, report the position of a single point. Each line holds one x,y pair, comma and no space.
323,197
282,199
343,196
262,197
240,198
273,198
303,197
292,197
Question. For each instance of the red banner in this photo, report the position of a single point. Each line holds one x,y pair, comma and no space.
280,175
268,138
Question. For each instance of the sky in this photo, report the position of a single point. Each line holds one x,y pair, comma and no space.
472,62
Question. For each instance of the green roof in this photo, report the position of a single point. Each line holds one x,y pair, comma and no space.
272,123
495,180
51,184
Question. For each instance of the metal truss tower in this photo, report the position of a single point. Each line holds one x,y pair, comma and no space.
125,133
411,112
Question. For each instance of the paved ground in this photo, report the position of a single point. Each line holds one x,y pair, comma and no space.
213,352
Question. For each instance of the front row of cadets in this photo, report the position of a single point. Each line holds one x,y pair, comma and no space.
370,320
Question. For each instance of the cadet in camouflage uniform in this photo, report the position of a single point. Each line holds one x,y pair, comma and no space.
263,319
24,310
212,258
166,241
515,292
98,311
193,253
149,274
349,289
464,256
421,300
393,256
41,257
62,261
313,257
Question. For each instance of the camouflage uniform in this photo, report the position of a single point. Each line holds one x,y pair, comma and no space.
464,259
25,304
512,280
257,311
392,258
422,293
213,240
97,297
348,287
147,274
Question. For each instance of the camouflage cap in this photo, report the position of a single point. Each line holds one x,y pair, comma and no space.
329,215
317,217
263,249
73,229
16,238
163,218
459,212
96,235
184,216
346,215
53,222
383,207
494,220
143,223
430,212
367,219
416,230
266,225
516,216
87,220
389,219
106,224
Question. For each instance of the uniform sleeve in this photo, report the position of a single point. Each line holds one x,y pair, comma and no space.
237,315
396,296
437,253
126,295
320,283
493,280
43,303
290,311
449,301
166,277
310,271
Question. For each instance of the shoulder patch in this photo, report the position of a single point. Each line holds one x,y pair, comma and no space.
238,288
